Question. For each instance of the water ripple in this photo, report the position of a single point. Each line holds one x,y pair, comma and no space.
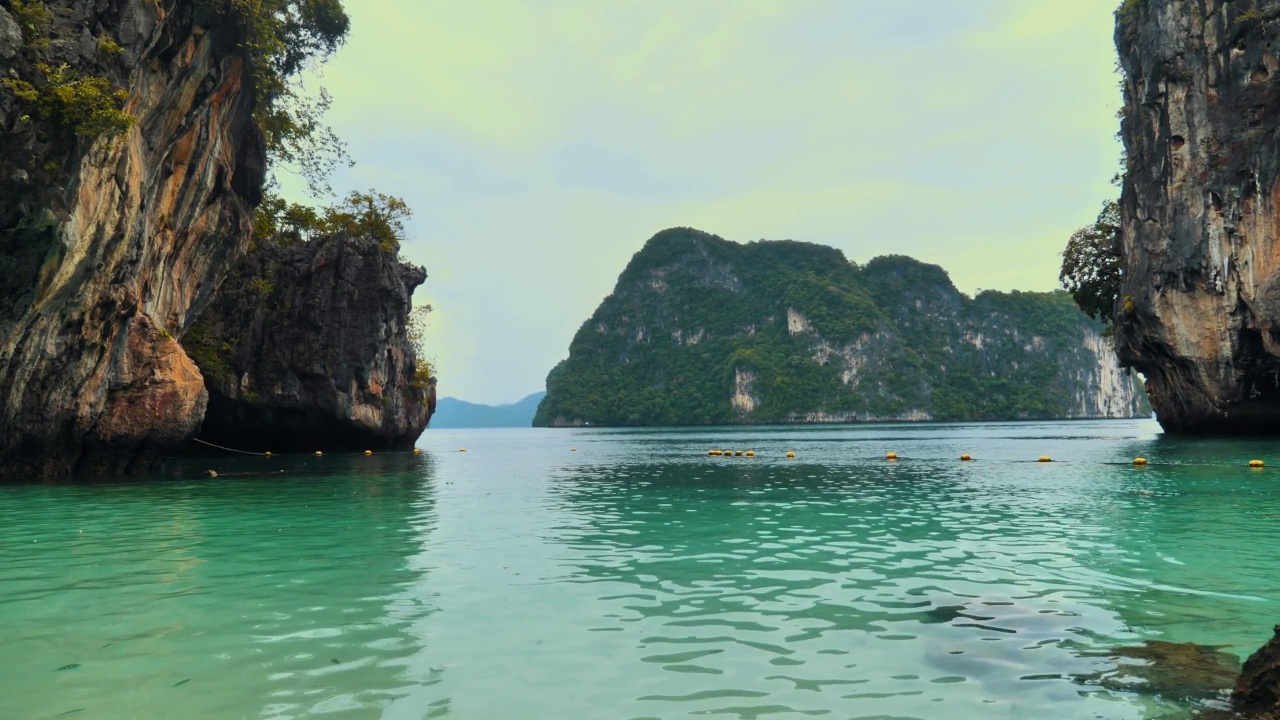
638,578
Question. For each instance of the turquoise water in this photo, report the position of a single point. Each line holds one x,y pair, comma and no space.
626,574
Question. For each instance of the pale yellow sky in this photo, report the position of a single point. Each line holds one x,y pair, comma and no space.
540,144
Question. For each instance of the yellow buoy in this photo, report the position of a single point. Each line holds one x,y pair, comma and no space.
965,456
368,452
462,449
728,453
1139,461
713,452
318,453
891,456
751,453
417,451
1045,458
737,453
790,454
267,453
1256,463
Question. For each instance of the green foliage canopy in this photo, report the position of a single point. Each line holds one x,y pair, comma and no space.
367,214
283,38
81,105
1091,264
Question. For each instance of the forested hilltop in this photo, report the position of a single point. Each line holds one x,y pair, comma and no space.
701,330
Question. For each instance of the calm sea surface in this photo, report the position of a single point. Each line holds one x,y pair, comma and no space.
626,574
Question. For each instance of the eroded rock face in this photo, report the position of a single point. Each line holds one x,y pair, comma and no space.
1199,307
306,348
111,246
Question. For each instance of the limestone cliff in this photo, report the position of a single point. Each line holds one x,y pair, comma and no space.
305,347
109,245
699,330
1198,312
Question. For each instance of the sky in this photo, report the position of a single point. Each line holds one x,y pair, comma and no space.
541,144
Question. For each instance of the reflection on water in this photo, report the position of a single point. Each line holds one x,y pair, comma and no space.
249,597
626,574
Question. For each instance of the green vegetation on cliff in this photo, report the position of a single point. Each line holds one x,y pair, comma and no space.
372,214
1091,264
700,330
282,40
67,102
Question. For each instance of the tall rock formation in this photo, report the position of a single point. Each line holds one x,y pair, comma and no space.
108,246
1198,311
700,330
306,347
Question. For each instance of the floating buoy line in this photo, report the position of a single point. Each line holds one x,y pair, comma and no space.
892,457
1256,464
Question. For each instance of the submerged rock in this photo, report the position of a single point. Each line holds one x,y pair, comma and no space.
1175,671
306,348
943,614
1198,312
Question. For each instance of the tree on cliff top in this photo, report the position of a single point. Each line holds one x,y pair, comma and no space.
372,214
286,35
1091,264
284,38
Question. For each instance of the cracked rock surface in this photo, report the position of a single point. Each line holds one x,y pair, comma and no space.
306,348
1198,312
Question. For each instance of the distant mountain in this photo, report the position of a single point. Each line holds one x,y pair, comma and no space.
703,331
455,413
